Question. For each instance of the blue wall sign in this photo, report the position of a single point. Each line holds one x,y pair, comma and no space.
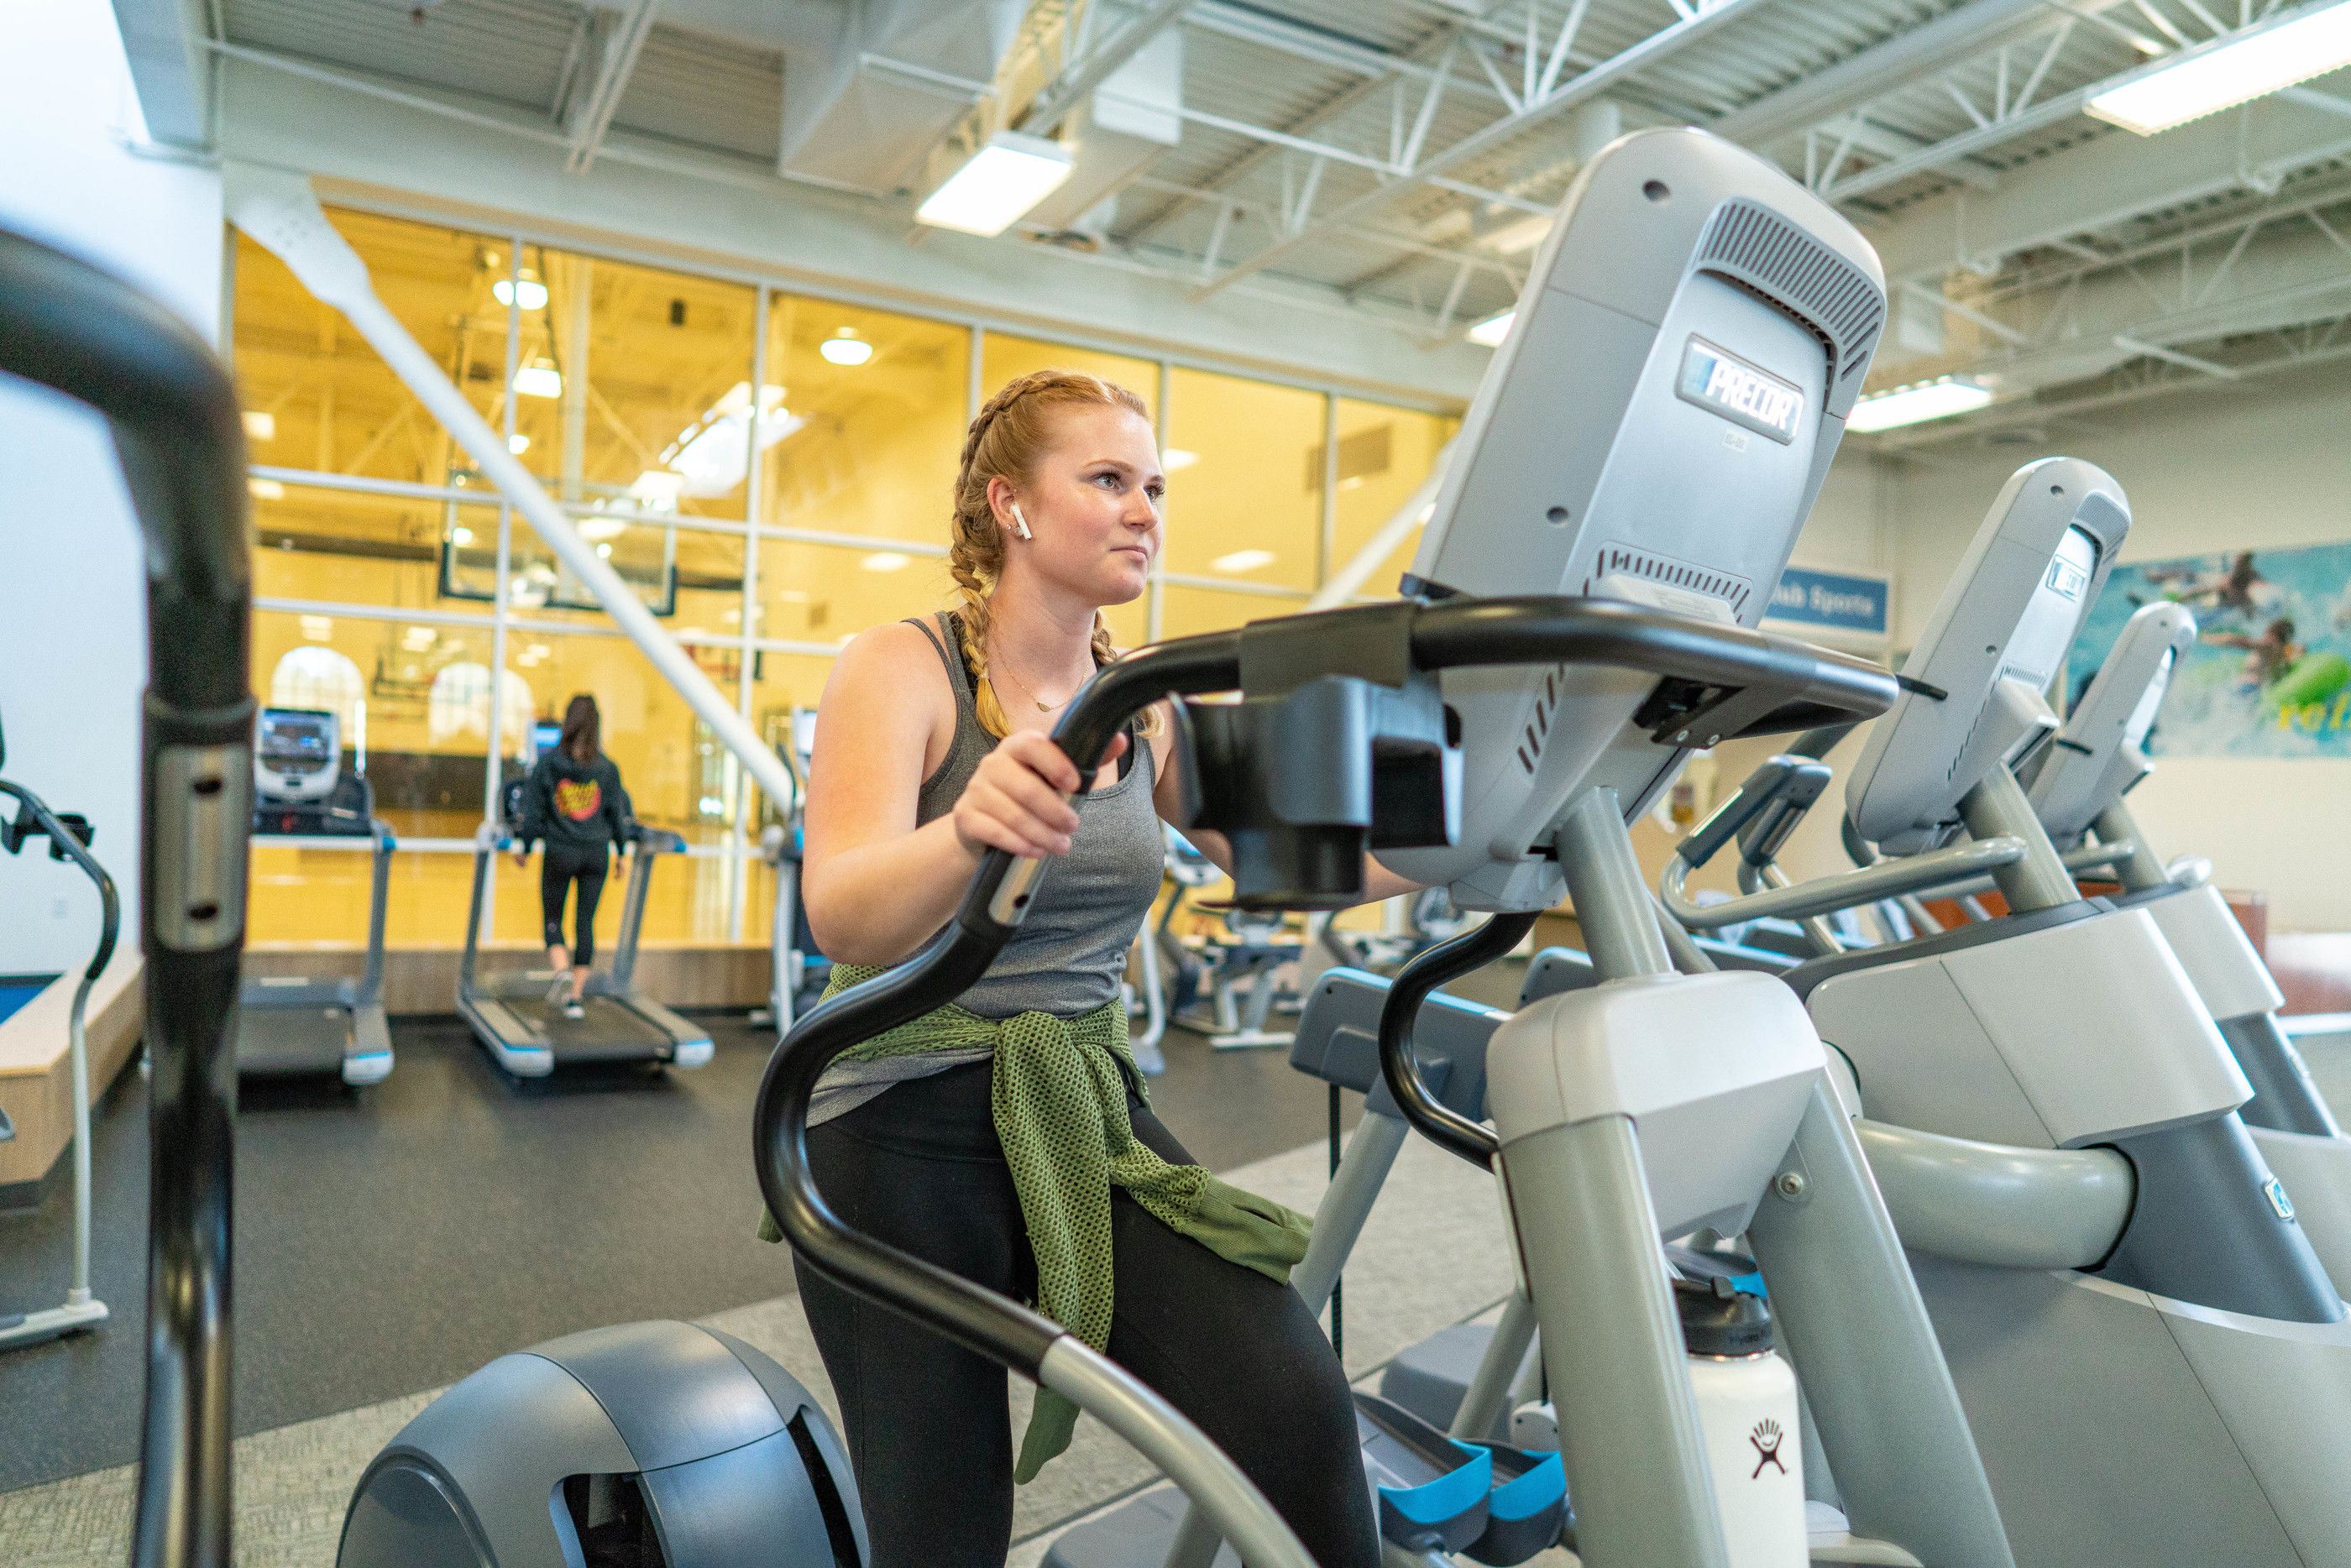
1835,600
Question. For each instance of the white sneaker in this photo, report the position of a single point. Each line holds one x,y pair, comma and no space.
573,1009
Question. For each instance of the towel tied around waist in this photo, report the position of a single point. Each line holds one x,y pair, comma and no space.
1057,1090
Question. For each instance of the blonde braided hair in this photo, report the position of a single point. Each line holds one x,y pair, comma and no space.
1013,431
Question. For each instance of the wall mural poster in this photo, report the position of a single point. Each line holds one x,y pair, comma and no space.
2269,672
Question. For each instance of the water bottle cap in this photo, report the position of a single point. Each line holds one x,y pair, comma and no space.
1718,1319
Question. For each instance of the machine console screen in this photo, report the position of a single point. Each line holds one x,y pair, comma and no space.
295,741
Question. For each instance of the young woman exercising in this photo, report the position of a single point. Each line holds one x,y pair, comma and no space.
574,802
990,1137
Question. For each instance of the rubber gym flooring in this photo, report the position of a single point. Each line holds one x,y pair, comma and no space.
395,1239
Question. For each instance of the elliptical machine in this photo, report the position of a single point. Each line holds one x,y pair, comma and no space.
2153,1358
1729,338
69,834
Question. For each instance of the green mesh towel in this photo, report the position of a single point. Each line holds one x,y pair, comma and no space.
1058,1093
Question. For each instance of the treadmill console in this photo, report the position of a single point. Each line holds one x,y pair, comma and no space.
298,783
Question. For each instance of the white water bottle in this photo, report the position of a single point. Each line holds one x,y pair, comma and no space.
1747,1413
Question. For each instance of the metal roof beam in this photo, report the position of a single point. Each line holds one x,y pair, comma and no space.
588,113
1899,60
1651,51
2106,181
1098,64
166,41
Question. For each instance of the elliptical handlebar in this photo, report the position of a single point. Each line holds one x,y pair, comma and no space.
180,437
69,840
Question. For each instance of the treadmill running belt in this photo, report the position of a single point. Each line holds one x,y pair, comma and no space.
609,1030
309,1039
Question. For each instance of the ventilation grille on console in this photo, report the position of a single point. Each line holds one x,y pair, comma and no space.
1750,244
1615,560
1537,730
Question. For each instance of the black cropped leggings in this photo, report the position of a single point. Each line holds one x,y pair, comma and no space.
558,870
927,1428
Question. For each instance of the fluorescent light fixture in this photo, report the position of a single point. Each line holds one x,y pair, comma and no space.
259,426
461,535
711,456
657,488
2223,75
1917,404
846,351
1175,459
603,528
885,561
539,381
1243,561
1493,330
533,292
998,184
264,489
317,629
518,443
1523,236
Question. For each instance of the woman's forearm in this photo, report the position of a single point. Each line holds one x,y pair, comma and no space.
876,904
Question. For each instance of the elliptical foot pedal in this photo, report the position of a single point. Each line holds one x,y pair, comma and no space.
1489,1501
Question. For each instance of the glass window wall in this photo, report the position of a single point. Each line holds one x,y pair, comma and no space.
771,473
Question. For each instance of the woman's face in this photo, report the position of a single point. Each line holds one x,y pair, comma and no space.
1093,506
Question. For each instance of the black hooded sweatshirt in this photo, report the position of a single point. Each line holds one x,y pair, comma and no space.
574,805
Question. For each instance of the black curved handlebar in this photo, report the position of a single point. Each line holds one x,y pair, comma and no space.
68,842
1438,1122
179,434
1451,634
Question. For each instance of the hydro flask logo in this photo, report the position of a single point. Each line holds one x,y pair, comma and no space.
1767,1437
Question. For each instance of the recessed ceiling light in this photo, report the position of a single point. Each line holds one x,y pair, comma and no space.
846,351
264,489
885,561
1493,330
998,184
1915,404
2229,72
518,443
539,381
533,292
1244,561
1176,459
259,426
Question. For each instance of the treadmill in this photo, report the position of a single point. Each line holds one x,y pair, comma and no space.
296,1025
509,1013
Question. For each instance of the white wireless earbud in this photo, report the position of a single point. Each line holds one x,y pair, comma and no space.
1020,524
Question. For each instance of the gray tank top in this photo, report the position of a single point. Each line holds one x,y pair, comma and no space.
1069,954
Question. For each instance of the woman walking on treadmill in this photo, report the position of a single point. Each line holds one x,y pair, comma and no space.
1007,1136
574,802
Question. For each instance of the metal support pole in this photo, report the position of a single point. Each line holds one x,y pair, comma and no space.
2140,868
1611,897
1850,1316
1997,807
1612,1343
1487,1398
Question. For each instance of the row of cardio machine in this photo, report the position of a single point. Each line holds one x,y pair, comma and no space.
303,1025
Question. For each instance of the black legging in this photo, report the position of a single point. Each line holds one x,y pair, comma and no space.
558,868
927,1428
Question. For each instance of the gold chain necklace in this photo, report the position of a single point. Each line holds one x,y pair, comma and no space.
1042,706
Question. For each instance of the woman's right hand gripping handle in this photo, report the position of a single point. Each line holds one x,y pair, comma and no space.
1018,799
